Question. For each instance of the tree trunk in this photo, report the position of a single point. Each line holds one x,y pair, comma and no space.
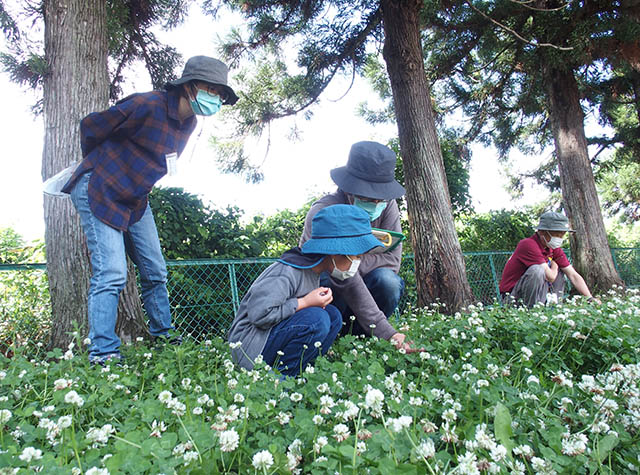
76,83
440,269
589,247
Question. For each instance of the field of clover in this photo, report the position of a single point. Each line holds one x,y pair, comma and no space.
547,390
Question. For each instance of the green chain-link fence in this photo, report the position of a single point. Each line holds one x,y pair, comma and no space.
204,294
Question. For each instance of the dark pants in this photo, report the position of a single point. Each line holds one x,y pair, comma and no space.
297,336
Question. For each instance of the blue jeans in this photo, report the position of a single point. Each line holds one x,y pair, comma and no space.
109,248
386,288
303,328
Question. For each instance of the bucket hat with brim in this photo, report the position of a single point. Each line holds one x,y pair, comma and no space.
369,172
340,230
211,70
552,221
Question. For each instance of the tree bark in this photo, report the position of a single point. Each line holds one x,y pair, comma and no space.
440,269
590,250
76,83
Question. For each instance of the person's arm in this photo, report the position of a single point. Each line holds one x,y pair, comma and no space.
551,271
98,126
577,281
355,292
271,300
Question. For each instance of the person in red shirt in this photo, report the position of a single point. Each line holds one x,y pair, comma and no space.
534,272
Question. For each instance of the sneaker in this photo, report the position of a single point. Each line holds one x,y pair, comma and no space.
174,340
113,358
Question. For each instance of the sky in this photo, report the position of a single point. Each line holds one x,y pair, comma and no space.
293,171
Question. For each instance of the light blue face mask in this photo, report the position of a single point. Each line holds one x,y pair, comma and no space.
206,103
374,210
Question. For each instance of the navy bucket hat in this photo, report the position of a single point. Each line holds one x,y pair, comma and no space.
211,70
340,230
370,172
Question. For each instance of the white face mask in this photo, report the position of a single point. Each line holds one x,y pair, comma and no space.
345,274
554,242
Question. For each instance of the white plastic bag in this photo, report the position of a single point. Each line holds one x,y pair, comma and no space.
53,185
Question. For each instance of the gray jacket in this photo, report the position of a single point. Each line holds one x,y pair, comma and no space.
273,297
354,290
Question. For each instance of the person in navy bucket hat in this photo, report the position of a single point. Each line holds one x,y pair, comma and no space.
367,182
286,317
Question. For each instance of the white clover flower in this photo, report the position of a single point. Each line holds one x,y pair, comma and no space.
317,344
374,399
526,353
157,428
29,454
340,432
320,442
73,397
235,344
238,397
86,341
62,383
425,449
449,415
3,374
262,460
400,423
186,383
100,436
533,379
317,419
283,418
165,396
574,444
498,453
296,397
467,464
197,410
5,415
524,450
64,422
96,471
229,440
323,388
189,456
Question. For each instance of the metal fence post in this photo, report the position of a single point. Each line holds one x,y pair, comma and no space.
494,276
234,288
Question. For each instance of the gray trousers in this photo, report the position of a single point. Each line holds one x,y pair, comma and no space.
532,288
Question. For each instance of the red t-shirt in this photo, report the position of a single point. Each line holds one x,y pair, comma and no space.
529,252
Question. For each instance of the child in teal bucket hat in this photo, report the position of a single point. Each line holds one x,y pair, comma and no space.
286,317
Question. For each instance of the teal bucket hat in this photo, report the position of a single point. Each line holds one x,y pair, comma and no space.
552,221
340,230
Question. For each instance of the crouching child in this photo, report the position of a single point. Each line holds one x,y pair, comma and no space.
286,316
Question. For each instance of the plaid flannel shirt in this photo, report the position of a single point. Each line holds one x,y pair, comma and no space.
125,148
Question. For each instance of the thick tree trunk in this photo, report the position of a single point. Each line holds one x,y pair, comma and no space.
76,83
589,247
440,269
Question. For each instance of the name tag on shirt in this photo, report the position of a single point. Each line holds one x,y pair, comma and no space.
172,163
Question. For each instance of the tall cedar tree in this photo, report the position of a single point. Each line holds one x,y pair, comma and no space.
331,37
80,37
517,70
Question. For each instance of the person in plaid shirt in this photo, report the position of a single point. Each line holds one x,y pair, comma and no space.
126,149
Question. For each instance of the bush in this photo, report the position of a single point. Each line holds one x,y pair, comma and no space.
25,312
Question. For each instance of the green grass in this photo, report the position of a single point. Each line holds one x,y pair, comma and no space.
547,390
